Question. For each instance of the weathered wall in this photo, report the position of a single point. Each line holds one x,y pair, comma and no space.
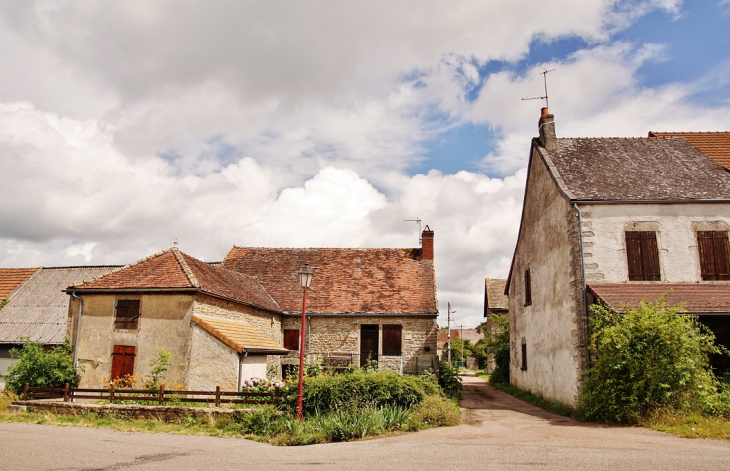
212,363
676,226
342,335
552,325
164,323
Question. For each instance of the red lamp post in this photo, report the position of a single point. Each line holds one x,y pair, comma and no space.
305,279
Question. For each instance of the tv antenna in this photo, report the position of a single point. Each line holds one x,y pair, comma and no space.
417,220
544,77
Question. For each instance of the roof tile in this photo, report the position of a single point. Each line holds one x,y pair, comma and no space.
11,278
694,297
715,145
239,335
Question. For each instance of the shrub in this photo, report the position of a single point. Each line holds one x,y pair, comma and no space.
449,380
648,359
498,344
158,367
40,369
435,411
260,385
358,389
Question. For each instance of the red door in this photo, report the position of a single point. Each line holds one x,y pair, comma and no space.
122,361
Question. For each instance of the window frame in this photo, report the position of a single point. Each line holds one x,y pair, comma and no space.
528,287
713,251
127,322
642,256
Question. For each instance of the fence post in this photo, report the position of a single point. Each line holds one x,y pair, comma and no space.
162,394
25,392
276,392
65,393
217,396
111,394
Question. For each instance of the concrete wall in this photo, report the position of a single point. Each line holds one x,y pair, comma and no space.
212,363
342,335
676,226
552,325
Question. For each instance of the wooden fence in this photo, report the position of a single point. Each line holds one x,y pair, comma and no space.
159,396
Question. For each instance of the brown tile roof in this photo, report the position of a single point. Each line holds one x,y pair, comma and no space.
38,309
11,278
239,335
345,280
443,336
173,269
715,145
496,299
638,169
696,298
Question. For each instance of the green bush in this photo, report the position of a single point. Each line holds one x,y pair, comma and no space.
498,344
435,411
449,380
359,389
651,358
40,369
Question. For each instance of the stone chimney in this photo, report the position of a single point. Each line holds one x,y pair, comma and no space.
427,245
546,126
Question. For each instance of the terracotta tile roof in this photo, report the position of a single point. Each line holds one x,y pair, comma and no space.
697,298
443,336
11,278
172,269
345,280
715,145
638,169
239,335
496,299
38,309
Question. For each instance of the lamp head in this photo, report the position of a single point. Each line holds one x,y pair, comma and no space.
305,276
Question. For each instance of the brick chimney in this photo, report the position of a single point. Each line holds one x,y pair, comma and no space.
427,245
546,126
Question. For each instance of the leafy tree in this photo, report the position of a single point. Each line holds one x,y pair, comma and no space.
40,369
456,345
4,302
496,342
648,359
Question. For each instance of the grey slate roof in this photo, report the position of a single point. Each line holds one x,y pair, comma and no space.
636,169
38,308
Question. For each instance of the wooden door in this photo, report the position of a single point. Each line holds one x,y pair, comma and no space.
368,343
122,361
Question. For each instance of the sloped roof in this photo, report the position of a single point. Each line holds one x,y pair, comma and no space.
11,278
442,336
715,145
496,299
345,280
239,335
696,298
635,169
172,269
38,310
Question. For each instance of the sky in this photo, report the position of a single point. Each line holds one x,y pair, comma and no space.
127,126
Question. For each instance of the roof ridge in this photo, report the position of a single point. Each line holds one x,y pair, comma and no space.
189,274
118,269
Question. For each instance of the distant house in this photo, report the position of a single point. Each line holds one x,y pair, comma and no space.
612,220
37,309
239,318
495,302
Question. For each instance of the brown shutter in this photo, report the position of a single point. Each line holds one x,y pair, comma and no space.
122,361
127,314
291,339
633,255
392,339
705,242
722,255
650,256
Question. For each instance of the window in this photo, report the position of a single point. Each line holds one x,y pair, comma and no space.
122,361
642,256
714,255
291,339
392,339
127,314
524,355
528,288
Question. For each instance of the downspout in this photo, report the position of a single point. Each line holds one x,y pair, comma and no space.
241,356
78,330
583,270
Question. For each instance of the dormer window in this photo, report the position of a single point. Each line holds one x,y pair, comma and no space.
642,256
714,255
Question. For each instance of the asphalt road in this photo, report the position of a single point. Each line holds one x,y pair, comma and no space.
499,432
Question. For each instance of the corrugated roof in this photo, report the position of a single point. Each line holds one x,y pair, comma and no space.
496,299
38,309
694,297
715,145
239,335
638,169
173,269
11,278
345,280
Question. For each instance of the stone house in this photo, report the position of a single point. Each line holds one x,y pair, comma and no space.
224,322
611,220
495,302
37,308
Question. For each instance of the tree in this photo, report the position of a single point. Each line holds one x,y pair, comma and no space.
40,369
496,343
456,345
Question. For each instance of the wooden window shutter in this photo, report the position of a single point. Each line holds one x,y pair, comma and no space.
392,339
523,367
633,255
122,361
714,255
642,255
127,314
291,339
528,288
722,255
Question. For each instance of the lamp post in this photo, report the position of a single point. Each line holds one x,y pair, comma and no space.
305,279
448,328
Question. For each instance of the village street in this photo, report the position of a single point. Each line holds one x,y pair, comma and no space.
499,432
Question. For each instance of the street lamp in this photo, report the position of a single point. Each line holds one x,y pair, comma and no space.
448,328
305,279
